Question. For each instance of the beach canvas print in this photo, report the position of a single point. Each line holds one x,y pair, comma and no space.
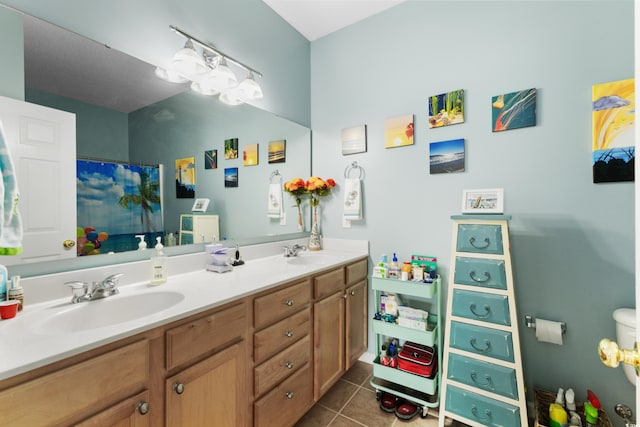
613,134
446,156
211,159
446,109
277,151
354,140
186,178
514,110
231,148
250,155
398,131
230,177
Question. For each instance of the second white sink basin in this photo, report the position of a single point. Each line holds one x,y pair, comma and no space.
106,312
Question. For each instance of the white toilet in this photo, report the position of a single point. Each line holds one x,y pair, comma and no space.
626,336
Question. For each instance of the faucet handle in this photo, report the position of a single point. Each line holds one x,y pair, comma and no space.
78,289
113,279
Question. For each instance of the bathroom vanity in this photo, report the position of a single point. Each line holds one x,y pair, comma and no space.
257,346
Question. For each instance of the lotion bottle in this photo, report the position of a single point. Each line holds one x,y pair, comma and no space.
16,292
4,276
158,265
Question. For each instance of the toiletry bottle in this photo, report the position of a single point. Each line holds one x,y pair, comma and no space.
16,292
142,245
393,272
557,416
405,271
158,265
4,274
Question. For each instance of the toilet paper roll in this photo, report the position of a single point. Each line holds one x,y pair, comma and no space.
548,331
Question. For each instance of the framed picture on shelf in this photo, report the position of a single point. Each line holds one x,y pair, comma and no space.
484,201
200,205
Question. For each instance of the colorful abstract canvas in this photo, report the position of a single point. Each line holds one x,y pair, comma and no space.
513,110
211,159
446,109
230,177
446,156
231,148
277,151
398,131
250,155
613,134
354,140
186,178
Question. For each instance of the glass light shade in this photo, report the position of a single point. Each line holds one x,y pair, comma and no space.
221,77
249,88
203,90
188,62
229,99
170,75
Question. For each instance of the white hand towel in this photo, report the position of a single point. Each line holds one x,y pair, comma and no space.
274,201
352,199
11,223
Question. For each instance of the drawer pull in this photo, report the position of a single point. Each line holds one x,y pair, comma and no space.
472,242
288,365
487,311
288,334
487,345
289,302
142,407
472,274
288,394
487,413
487,384
178,387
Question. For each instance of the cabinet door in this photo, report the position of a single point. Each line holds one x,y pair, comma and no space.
132,412
356,322
328,342
211,392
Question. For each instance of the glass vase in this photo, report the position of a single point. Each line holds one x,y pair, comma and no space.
314,239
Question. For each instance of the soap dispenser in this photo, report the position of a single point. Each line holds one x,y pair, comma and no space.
142,245
158,265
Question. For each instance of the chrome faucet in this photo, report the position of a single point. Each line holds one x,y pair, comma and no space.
292,250
106,288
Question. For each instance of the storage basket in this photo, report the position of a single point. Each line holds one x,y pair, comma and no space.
543,399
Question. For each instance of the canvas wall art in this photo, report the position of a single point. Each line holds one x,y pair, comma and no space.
446,109
613,134
398,131
514,110
250,155
211,159
230,177
186,178
231,148
277,151
446,156
354,140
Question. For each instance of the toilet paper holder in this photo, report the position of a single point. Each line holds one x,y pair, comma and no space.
531,323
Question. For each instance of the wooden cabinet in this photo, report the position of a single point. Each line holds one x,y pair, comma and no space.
131,412
339,323
199,228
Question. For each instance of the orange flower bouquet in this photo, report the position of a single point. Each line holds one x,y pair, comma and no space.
298,189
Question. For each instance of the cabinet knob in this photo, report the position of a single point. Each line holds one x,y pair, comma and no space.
68,244
288,334
289,302
142,407
352,293
178,387
345,295
288,394
288,365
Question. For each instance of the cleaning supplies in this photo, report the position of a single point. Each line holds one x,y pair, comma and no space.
557,416
4,274
158,265
16,292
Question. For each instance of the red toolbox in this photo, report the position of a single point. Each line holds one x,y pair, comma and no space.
418,359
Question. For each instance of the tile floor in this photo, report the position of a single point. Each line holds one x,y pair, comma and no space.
351,402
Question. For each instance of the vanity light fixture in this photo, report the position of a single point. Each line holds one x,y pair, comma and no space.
209,72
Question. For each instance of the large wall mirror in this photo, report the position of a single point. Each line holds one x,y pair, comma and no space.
124,113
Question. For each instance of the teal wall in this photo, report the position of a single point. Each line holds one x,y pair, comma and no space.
572,240
12,50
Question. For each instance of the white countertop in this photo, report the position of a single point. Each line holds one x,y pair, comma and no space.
26,343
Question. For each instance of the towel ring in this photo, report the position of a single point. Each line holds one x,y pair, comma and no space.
353,166
276,174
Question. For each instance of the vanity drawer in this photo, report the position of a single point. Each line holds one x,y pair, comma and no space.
281,365
286,403
194,339
486,341
356,271
485,239
480,306
488,273
281,335
481,409
280,304
328,283
485,376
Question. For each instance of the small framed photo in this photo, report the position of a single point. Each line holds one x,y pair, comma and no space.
485,201
200,205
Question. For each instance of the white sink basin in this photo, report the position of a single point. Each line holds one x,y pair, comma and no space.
309,259
106,312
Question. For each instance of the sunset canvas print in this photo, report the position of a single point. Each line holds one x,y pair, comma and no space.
398,131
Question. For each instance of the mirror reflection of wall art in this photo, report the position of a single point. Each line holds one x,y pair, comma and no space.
514,110
211,159
250,155
277,151
613,134
446,156
398,131
186,178
231,148
446,109
200,205
354,140
230,177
